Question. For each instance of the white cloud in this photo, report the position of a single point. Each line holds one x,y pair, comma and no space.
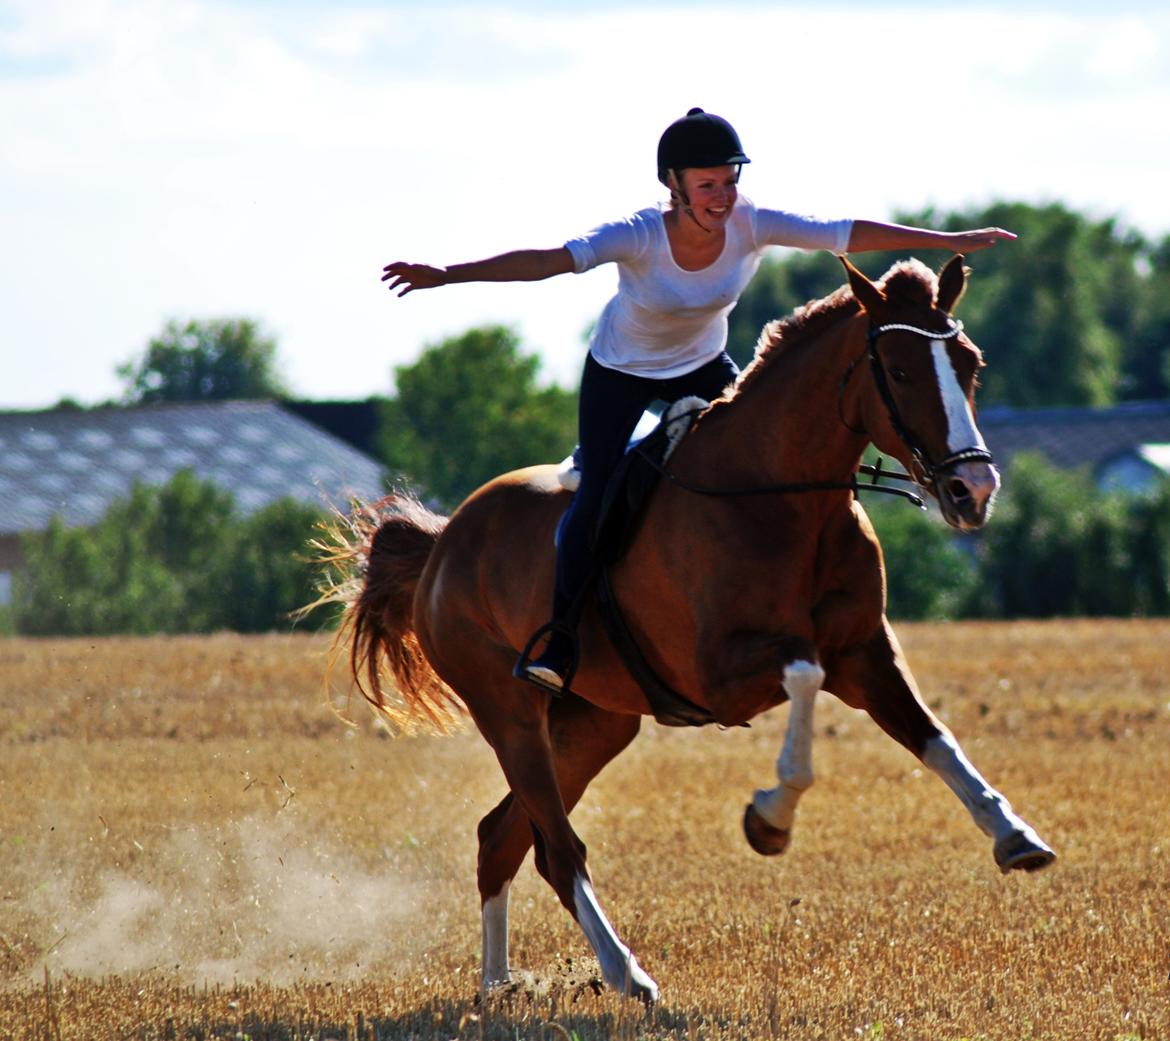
206,158
1128,51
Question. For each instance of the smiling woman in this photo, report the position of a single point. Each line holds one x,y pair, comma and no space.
662,337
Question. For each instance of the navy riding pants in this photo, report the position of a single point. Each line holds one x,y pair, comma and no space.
611,403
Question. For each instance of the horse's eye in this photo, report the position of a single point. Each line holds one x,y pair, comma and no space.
898,375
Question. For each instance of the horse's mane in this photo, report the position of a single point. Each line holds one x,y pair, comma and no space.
908,282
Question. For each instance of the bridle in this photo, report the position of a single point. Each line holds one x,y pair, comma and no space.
925,470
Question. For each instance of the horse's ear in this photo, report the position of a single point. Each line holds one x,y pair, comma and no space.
952,281
866,293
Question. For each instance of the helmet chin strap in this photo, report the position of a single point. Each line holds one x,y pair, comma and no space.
691,213
687,208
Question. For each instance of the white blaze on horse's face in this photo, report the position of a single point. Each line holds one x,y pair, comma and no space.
966,494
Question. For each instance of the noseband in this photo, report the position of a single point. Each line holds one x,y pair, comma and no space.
925,470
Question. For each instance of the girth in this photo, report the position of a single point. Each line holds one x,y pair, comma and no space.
670,708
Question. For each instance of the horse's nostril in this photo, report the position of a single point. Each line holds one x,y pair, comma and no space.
958,490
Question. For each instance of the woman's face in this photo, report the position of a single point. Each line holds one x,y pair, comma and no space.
712,192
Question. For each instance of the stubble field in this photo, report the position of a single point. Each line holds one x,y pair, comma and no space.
193,845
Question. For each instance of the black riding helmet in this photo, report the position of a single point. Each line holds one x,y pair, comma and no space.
699,139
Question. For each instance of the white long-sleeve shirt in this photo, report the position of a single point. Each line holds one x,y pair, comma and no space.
665,321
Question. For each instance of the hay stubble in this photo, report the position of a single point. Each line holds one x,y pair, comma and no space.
191,841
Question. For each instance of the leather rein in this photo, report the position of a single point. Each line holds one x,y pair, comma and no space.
926,471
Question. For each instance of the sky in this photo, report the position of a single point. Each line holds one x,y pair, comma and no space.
196,159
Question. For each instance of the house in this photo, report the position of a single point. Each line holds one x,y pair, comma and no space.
355,422
1123,447
75,462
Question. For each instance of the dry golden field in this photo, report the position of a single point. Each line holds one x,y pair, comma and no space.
193,845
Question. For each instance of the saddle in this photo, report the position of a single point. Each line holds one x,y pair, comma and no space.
628,489
651,445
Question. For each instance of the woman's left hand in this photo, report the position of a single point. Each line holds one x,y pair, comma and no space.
969,241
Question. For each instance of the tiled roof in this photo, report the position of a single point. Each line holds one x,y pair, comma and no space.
74,462
1076,437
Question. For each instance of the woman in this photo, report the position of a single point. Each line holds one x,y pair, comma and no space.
681,269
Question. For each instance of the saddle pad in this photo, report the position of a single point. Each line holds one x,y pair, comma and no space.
676,420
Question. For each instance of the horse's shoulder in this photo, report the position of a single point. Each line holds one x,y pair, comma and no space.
850,594
849,538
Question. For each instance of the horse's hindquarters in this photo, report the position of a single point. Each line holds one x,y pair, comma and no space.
489,581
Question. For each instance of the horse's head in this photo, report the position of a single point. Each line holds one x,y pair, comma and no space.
916,395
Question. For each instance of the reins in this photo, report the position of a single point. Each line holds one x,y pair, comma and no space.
875,473
928,470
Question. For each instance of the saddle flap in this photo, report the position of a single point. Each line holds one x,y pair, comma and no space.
636,476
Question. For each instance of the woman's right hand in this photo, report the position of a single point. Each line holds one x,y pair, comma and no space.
413,276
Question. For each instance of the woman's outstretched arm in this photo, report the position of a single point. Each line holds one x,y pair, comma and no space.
870,235
522,265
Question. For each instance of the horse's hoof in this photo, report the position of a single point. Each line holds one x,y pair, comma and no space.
1022,851
645,990
635,983
496,986
761,836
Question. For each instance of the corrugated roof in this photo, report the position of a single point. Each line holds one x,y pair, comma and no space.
75,463
1075,437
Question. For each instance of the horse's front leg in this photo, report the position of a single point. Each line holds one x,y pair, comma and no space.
875,676
768,818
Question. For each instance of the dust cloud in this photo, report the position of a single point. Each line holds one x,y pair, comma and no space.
256,899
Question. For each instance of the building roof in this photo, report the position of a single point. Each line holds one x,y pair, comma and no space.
355,422
75,462
1075,437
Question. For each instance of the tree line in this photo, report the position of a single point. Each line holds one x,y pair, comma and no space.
1075,312
1055,546
176,558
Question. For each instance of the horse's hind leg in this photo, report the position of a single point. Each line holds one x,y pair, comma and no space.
584,739
875,677
513,718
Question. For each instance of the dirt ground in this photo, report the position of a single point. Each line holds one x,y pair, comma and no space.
194,844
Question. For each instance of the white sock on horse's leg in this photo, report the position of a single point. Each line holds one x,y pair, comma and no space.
618,965
802,681
495,940
990,810
1016,843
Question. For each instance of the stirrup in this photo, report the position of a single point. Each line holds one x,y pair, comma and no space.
520,669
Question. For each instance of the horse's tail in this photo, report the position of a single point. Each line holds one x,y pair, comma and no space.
373,559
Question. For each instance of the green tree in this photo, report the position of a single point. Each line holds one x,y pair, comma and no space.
1039,306
1149,529
204,361
1066,315
781,285
268,573
930,574
1146,357
100,581
470,408
169,559
1059,547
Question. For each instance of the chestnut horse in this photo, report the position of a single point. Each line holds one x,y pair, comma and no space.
739,602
